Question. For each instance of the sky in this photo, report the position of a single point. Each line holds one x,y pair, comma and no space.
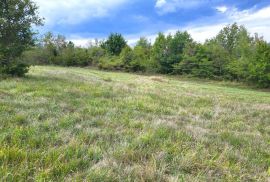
84,20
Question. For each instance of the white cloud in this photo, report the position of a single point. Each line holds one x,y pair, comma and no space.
75,11
160,3
171,6
256,21
81,42
221,9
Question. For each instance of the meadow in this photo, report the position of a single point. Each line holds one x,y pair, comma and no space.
74,124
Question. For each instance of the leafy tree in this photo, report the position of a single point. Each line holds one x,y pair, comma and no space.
228,36
259,67
234,39
114,44
176,46
134,60
48,41
16,35
167,51
195,61
142,58
219,57
144,43
61,43
160,53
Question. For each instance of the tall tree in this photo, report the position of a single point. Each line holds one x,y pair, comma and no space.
159,53
114,44
259,67
233,38
143,46
16,35
168,51
144,43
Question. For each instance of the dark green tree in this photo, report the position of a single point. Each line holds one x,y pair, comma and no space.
16,35
114,44
219,57
168,51
176,46
195,62
160,53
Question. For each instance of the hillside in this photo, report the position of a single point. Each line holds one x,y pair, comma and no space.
74,124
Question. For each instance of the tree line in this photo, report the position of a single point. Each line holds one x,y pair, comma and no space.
233,54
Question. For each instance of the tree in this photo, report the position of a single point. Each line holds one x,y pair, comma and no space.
159,53
114,44
176,46
234,39
127,56
195,61
168,51
219,57
143,46
16,34
144,43
259,67
134,59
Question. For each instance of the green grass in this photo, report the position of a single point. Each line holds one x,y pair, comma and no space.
68,124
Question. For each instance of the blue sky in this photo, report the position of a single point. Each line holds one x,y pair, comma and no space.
83,20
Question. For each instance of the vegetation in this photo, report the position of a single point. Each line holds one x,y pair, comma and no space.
114,44
16,35
75,124
232,55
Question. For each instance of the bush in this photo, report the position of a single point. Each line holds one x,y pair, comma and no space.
14,69
111,63
82,57
36,56
95,54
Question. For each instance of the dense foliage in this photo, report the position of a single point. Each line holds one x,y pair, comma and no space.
16,35
232,55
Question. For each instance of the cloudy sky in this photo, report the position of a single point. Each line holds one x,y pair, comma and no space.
84,20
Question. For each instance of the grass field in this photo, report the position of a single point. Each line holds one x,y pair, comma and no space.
68,124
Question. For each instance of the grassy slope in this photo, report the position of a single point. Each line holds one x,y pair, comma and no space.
73,123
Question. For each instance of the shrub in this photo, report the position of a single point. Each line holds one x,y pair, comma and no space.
111,63
95,54
14,69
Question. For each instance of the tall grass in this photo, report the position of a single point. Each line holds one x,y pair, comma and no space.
67,124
